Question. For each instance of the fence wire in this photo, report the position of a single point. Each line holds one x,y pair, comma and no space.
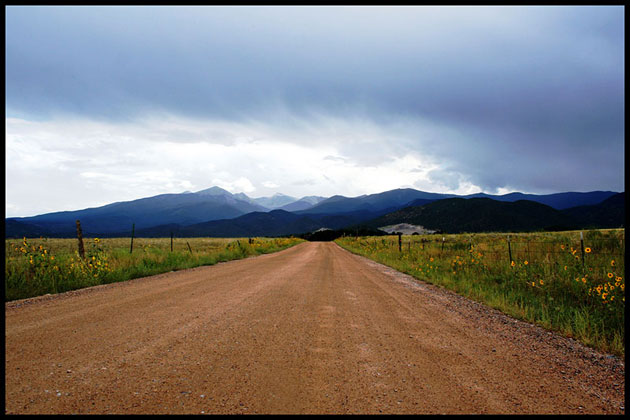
588,252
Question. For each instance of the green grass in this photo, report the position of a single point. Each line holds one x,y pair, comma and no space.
550,282
35,267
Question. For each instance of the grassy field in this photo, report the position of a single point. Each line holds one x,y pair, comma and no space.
554,279
35,267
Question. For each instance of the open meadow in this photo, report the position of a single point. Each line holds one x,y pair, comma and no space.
37,266
570,282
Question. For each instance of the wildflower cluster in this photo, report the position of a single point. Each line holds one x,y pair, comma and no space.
39,258
473,260
528,275
39,270
95,264
610,289
572,253
426,266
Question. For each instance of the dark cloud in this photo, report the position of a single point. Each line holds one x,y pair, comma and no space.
533,95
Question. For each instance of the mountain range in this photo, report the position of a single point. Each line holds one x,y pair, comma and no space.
217,212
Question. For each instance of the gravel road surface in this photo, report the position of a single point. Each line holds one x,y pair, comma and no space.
311,329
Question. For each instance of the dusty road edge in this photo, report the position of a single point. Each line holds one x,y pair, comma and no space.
18,303
465,306
599,374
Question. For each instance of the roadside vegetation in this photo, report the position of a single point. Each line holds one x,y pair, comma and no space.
35,267
554,279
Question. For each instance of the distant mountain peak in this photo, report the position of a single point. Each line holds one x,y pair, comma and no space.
275,201
303,203
214,191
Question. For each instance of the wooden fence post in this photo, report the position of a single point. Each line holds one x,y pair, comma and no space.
133,231
509,250
80,238
189,247
399,242
171,241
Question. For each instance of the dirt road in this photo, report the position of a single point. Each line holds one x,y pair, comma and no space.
312,329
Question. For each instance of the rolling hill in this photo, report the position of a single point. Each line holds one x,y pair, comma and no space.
403,197
457,215
17,229
610,213
388,200
558,201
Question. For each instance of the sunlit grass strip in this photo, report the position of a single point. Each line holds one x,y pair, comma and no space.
34,267
546,283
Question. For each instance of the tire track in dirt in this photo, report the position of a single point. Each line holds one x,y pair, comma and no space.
311,329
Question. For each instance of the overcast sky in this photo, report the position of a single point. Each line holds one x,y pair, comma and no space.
108,104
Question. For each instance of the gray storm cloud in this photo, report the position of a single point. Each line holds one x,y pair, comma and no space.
529,98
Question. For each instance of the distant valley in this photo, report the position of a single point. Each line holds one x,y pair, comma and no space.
219,213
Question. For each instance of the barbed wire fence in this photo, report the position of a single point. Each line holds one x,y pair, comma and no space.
589,251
